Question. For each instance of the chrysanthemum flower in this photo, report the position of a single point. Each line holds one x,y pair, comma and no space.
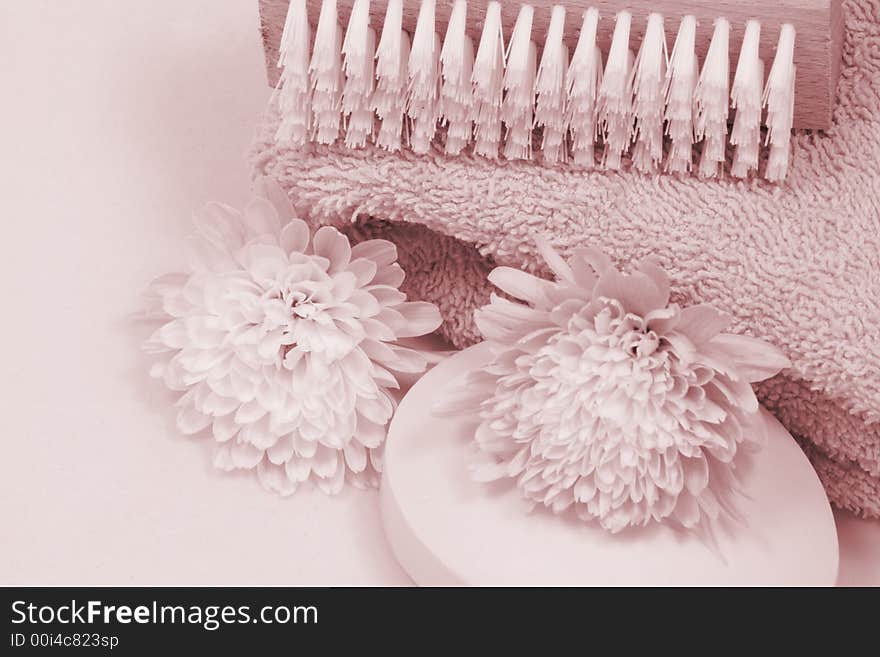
603,396
284,344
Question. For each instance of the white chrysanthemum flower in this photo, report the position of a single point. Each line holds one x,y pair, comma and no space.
284,344
603,396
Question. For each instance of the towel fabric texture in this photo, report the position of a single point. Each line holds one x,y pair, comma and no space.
797,264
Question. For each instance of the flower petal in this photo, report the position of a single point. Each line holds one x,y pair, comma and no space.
687,511
420,318
755,359
369,434
461,398
556,262
331,244
245,456
221,225
377,457
364,271
274,478
261,218
696,475
637,292
408,361
382,252
173,335
265,262
295,237
325,461
355,456
501,327
387,295
596,259
269,189
521,285
651,268
190,421
281,451
224,428
223,457
392,274
298,469
702,322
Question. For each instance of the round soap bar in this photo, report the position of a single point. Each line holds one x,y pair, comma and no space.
446,529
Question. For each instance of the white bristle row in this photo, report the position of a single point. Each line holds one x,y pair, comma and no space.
519,88
654,109
711,100
614,104
582,82
550,90
326,75
424,79
488,84
358,50
746,98
294,94
681,80
779,101
649,74
456,93
392,61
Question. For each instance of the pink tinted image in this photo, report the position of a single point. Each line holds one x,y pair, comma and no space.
234,360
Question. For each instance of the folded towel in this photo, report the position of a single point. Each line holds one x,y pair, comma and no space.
798,265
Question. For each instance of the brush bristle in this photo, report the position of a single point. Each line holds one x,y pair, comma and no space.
519,88
711,98
582,81
550,89
327,77
294,96
456,93
488,81
649,73
681,80
389,97
779,101
358,50
746,99
467,93
615,95
424,79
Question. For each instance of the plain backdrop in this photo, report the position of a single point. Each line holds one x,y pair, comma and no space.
117,119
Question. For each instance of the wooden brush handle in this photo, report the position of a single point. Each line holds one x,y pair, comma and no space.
819,25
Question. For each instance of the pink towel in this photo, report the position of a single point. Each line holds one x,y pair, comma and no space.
798,265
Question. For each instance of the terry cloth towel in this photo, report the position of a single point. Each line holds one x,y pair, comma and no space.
798,265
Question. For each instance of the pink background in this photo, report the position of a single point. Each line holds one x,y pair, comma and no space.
119,118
